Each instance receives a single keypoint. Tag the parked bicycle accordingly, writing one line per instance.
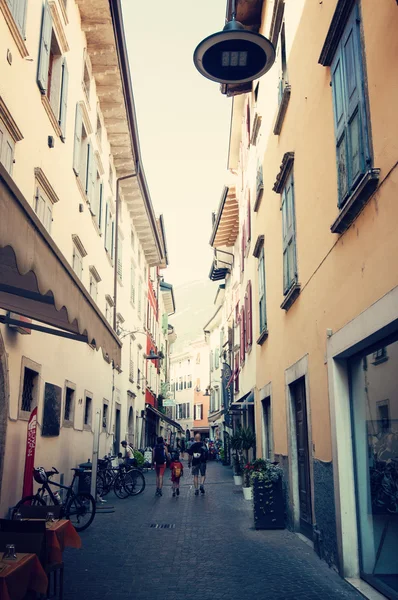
(124, 479)
(79, 507)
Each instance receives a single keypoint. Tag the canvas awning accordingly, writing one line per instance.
(163, 417)
(36, 281)
(226, 221)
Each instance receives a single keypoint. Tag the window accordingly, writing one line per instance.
(44, 208)
(380, 356)
(110, 177)
(132, 283)
(289, 235)
(51, 410)
(86, 76)
(105, 416)
(29, 390)
(198, 412)
(79, 253)
(180, 383)
(242, 331)
(7, 147)
(283, 63)
(98, 133)
(248, 317)
(139, 307)
(262, 309)
(119, 258)
(188, 409)
(94, 280)
(350, 119)
(87, 412)
(81, 152)
(189, 383)
(69, 405)
(52, 73)
(131, 363)
(109, 230)
(216, 358)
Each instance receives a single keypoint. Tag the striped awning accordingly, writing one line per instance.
(226, 221)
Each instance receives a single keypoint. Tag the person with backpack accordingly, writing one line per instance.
(159, 460)
(177, 471)
(197, 458)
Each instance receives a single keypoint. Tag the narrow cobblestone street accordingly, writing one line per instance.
(212, 552)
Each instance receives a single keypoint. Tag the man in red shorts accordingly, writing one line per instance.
(159, 460)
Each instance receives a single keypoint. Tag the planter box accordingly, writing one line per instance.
(248, 493)
(238, 479)
(268, 503)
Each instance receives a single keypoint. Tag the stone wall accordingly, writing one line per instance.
(284, 463)
(325, 539)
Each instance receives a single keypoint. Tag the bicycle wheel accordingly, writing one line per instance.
(108, 482)
(101, 485)
(119, 487)
(30, 501)
(134, 482)
(80, 510)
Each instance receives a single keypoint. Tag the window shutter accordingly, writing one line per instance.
(119, 258)
(248, 220)
(77, 139)
(249, 326)
(243, 249)
(100, 201)
(106, 228)
(242, 335)
(44, 54)
(18, 9)
(64, 99)
(90, 179)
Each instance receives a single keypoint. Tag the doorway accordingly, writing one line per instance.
(266, 412)
(131, 426)
(300, 442)
(3, 405)
(116, 443)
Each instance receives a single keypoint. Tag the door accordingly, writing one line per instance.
(303, 463)
(117, 431)
(266, 405)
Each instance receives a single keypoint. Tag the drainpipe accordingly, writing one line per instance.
(119, 179)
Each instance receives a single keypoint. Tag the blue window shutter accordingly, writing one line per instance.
(89, 168)
(352, 145)
(45, 43)
(18, 10)
(77, 139)
(289, 235)
(64, 98)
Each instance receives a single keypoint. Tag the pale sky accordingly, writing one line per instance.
(183, 122)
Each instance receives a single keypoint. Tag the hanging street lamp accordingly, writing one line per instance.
(234, 55)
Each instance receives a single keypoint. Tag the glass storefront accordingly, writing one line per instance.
(374, 401)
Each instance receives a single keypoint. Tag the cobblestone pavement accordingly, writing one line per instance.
(213, 552)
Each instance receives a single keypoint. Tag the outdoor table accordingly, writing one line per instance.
(60, 535)
(19, 576)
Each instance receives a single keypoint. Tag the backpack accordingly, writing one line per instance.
(160, 456)
(177, 471)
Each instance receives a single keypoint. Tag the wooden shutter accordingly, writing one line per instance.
(249, 326)
(77, 139)
(44, 53)
(100, 202)
(242, 335)
(352, 147)
(289, 235)
(64, 99)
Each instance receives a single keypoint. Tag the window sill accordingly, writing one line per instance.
(68, 424)
(109, 258)
(259, 197)
(50, 113)
(24, 415)
(12, 26)
(262, 337)
(379, 361)
(291, 296)
(356, 201)
(280, 117)
(81, 188)
(87, 428)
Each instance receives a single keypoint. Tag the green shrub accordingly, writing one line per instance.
(139, 458)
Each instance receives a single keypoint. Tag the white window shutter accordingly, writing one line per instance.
(45, 43)
(78, 139)
(64, 99)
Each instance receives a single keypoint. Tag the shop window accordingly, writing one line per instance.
(51, 410)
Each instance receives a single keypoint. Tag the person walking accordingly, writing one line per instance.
(177, 471)
(159, 460)
(197, 458)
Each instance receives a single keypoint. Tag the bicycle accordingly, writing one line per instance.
(76, 506)
(126, 480)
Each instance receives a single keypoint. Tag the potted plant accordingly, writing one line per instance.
(247, 486)
(268, 502)
(238, 471)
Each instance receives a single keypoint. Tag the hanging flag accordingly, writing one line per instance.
(30, 454)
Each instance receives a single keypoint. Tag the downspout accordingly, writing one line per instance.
(119, 179)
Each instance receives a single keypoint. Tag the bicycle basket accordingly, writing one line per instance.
(39, 475)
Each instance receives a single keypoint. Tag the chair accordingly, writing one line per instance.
(39, 512)
(30, 536)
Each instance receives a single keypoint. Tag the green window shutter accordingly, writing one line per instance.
(63, 99)
(106, 228)
(18, 11)
(77, 139)
(44, 54)
(352, 138)
(100, 207)
(89, 188)
(289, 235)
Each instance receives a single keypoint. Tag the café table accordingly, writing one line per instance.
(17, 577)
(60, 534)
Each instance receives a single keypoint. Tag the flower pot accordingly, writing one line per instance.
(268, 504)
(238, 479)
(248, 493)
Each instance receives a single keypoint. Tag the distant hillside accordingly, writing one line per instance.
(195, 306)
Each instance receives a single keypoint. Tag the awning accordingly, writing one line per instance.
(226, 221)
(168, 297)
(216, 416)
(163, 417)
(37, 282)
(243, 401)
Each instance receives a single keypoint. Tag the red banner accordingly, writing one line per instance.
(30, 455)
